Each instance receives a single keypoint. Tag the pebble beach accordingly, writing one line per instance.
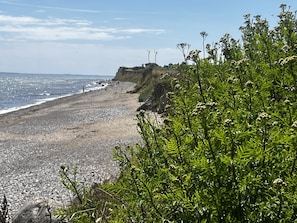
(76, 131)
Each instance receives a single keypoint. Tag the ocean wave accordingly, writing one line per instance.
(18, 91)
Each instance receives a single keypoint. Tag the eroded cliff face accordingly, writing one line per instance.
(138, 74)
(149, 84)
(158, 98)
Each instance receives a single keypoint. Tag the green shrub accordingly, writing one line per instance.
(227, 150)
(88, 204)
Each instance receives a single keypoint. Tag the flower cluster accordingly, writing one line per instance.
(284, 61)
(294, 125)
(279, 182)
(263, 116)
(200, 107)
(237, 63)
(227, 122)
(194, 55)
(232, 80)
(285, 48)
(249, 84)
(288, 102)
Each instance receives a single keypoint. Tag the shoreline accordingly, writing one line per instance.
(25, 90)
(77, 131)
(46, 100)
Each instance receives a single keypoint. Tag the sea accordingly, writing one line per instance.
(19, 91)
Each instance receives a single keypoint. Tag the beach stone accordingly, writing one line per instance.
(39, 210)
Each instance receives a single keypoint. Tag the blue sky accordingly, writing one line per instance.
(99, 36)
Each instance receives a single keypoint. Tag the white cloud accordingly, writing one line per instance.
(69, 9)
(120, 18)
(56, 33)
(56, 45)
(51, 57)
(48, 7)
(27, 20)
(56, 29)
(134, 30)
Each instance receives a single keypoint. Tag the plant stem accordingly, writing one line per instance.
(294, 161)
(199, 82)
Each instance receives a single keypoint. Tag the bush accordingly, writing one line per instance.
(88, 205)
(227, 151)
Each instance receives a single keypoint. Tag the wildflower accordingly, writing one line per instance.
(283, 6)
(274, 123)
(257, 17)
(285, 48)
(263, 116)
(194, 55)
(284, 61)
(200, 106)
(225, 38)
(232, 80)
(287, 101)
(243, 61)
(227, 122)
(249, 84)
(294, 125)
(281, 61)
(177, 86)
(278, 181)
(211, 104)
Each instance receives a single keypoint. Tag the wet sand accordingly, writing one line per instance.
(80, 130)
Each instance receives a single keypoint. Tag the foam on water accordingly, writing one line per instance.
(19, 91)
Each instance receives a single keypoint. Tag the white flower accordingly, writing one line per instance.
(294, 125)
(278, 181)
(227, 122)
(249, 84)
(263, 116)
(194, 55)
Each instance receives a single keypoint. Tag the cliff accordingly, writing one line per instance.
(150, 84)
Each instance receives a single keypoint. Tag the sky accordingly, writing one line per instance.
(96, 37)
